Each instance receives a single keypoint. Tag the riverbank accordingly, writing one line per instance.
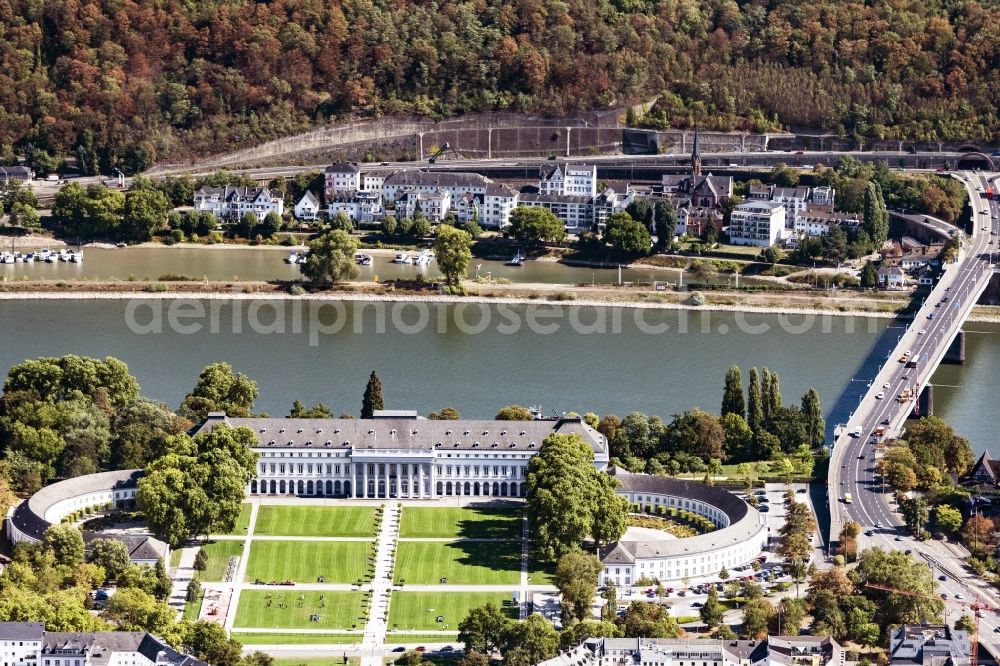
(846, 305)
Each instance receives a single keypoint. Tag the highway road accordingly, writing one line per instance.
(853, 461)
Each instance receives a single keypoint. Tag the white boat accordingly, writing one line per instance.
(76, 257)
(51, 258)
(64, 255)
(43, 254)
(516, 260)
(302, 258)
(363, 259)
(29, 258)
(402, 258)
(7, 258)
(292, 258)
(18, 258)
(424, 258)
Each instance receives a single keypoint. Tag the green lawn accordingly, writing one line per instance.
(337, 610)
(306, 561)
(541, 573)
(314, 661)
(467, 523)
(325, 521)
(193, 608)
(296, 639)
(419, 610)
(218, 553)
(175, 557)
(461, 562)
(243, 522)
(399, 639)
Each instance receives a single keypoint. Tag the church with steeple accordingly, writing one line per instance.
(694, 189)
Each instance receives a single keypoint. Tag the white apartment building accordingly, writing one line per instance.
(495, 201)
(341, 177)
(772, 651)
(20, 643)
(576, 212)
(818, 219)
(307, 208)
(361, 207)
(568, 180)
(433, 205)
(758, 223)
(231, 203)
(28, 644)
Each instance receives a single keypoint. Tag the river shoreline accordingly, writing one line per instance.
(716, 301)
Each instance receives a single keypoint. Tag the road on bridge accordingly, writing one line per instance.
(925, 341)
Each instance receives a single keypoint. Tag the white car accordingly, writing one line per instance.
(921, 331)
(880, 395)
(886, 385)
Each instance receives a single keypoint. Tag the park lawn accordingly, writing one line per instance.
(320, 521)
(192, 609)
(314, 661)
(256, 638)
(175, 557)
(306, 561)
(243, 522)
(337, 610)
(419, 610)
(461, 562)
(218, 554)
(466, 523)
(403, 639)
(540, 572)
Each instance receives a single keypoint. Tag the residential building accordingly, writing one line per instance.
(231, 203)
(29, 644)
(371, 181)
(21, 174)
(774, 650)
(985, 473)
(142, 548)
(307, 208)
(614, 198)
(891, 277)
(578, 180)
(929, 645)
(795, 199)
(20, 643)
(758, 223)
(495, 200)
(433, 205)
(819, 219)
(341, 177)
(576, 212)
(823, 195)
(361, 207)
(400, 455)
(694, 221)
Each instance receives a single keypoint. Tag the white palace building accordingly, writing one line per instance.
(397, 454)
(402, 456)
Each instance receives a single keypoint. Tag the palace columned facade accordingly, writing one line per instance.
(399, 455)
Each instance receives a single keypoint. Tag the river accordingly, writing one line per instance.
(268, 263)
(479, 358)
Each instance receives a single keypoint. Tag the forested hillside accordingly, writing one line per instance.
(128, 82)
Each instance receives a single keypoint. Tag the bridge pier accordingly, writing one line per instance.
(956, 352)
(924, 405)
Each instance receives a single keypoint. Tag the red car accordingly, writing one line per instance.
(420, 648)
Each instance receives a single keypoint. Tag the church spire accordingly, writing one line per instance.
(695, 158)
